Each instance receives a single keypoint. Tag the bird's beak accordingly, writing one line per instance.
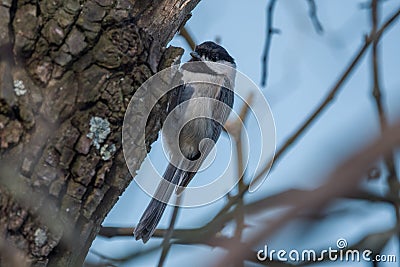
(195, 56)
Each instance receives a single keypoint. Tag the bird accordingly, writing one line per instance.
(196, 112)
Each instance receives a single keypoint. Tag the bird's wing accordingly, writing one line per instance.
(225, 96)
(179, 95)
(174, 98)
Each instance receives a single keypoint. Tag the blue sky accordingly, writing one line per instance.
(303, 67)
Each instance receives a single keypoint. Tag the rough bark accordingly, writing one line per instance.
(64, 66)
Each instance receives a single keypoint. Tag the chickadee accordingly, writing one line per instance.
(197, 111)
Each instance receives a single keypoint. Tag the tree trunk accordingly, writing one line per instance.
(65, 68)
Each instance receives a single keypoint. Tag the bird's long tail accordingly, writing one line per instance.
(152, 215)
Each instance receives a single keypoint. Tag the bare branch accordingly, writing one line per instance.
(168, 235)
(268, 38)
(130, 256)
(314, 17)
(188, 37)
(235, 130)
(110, 232)
(271, 30)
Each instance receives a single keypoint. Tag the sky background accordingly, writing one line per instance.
(303, 66)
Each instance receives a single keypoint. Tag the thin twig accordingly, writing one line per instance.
(268, 38)
(314, 17)
(110, 232)
(188, 37)
(107, 261)
(128, 257)
(168, 235)
(240, 172)
(271, 30)
(376, 90)
(235, 130)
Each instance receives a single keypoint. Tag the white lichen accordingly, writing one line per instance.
(40, 237)
(19, 88)
(99, 130)
(107, 151)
